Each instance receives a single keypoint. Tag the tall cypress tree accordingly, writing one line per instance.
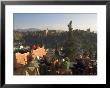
(70, 46)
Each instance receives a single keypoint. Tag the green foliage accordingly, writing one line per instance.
(78, 40)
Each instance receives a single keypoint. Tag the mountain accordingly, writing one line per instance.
(29, 29)
(35, 29)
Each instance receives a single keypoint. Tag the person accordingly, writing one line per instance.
(46, 60)
(56, 65)
(34, 47)
(87, 62)
(64, 64)
(79, 66)
(53, 70)
(56, 53)
(33, 66)
(94, 67)
(43, 69)
(37, 59)
(68, 63)
(44, 65)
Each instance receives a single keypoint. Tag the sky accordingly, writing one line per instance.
(55, 21)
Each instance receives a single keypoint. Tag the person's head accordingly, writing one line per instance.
(21, 47)
(34, 47)
(44, 56)
(80, 56)
(56, 60)
(38, 57)
(63, 60)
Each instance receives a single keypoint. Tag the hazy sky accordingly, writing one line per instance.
(55, 21)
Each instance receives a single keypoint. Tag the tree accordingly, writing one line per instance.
(70, 45)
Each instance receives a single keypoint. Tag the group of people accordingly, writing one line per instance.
(55, 66)
(84, 65)
(58, 65)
